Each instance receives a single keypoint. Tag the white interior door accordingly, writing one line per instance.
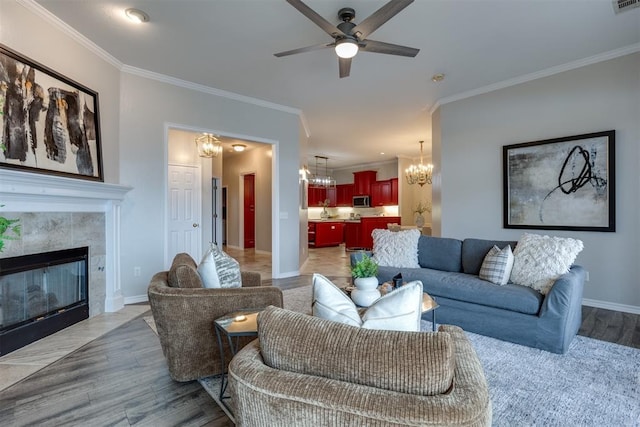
(184, 211)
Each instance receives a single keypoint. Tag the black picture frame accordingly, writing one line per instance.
(564, 183)
(50, 124)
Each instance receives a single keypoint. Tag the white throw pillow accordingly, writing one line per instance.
(400, 310)
(497, 265)
(219, 270)
(396, 249)
(540, 260)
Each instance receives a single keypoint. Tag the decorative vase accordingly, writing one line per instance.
(324, 214)
(366, 291)
(419, 221)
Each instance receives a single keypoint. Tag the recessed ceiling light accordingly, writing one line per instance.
(382, 153)
(136, 15)
(437, 77)
(238, 147)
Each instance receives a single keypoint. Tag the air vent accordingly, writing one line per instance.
(620, 6)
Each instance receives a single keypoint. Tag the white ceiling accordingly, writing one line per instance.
(384, 105)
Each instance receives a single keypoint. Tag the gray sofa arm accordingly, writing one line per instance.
(561, 312)
(250, 279)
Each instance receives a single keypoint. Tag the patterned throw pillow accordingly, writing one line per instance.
(219, 270)
(399, 310)
(396, 249)
(540, 260)
(497, 265)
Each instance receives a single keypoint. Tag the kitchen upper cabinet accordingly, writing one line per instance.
(362, 182)
(381, 193)
(394, 191)
(316, 195)
(344, 194)
(332, 195)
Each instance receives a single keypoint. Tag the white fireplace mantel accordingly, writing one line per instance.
(31, 192)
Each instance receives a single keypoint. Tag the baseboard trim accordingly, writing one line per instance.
(136, 299)
(288, 274)
(611, 306)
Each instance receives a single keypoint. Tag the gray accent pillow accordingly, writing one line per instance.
(474, 251)
(440, 253)
(497, 265)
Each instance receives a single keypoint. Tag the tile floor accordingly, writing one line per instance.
(17, 365)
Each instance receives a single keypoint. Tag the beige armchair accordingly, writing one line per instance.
(307, 371)
(184, 312)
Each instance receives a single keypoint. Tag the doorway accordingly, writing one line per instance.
(249, 207)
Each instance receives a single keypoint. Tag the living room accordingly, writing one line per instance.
(579, 93)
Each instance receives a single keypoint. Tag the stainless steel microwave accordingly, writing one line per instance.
(360, 201)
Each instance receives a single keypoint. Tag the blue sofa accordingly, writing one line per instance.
(449, 273)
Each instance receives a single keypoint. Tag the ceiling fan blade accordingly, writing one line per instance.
(326, 26)
(388, 48)
(344, 64)
(304, 49)
(379, 17)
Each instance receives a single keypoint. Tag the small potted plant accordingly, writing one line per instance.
(364, 278)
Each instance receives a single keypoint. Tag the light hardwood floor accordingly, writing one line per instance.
(120, 378)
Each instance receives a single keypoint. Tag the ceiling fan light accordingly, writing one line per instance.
(346, 48)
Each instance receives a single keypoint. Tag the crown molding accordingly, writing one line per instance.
(43, 13)
(152, 75)
(612, 54)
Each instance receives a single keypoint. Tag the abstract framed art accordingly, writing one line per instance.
(561, 184)
(49, 123)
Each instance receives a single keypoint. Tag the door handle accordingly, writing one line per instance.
(196, 225)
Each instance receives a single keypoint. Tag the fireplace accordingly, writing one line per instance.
(41, 294)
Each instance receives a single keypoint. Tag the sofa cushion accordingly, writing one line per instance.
(471, 289)
(219, 270)
(182, 273)
(540, 260)
(440, 253)
(406, 362)
(497, 265)
(474, 251)
(400, 310)
(399, 249)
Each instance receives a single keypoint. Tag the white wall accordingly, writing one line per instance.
(467, 149)
(146, 107)
(35, 38)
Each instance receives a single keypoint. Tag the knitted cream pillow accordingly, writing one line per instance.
(396, 249)
(540, 260)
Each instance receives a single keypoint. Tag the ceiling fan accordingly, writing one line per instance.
(349, 38)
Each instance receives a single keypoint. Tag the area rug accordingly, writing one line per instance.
(595, 383)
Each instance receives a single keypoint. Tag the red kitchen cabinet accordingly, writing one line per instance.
(394, 191)
(362, 182)
(316, 196)
(328, 233)
(381, 193)
(344, 194)
(352, 235)
(332, 195)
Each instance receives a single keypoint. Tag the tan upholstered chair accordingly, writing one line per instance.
(307, 371)
(184, 312)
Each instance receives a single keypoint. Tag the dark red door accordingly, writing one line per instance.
(249, 211)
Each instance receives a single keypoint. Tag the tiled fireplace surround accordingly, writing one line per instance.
(61, 213)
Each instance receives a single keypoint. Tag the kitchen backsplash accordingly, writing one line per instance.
(344, 212)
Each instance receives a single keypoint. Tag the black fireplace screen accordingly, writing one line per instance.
(40, 294)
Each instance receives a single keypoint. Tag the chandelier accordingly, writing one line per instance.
(419, 174)
(319, 180)
(208, 145)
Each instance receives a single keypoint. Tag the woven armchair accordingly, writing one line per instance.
(307, 371)
(184, 312)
